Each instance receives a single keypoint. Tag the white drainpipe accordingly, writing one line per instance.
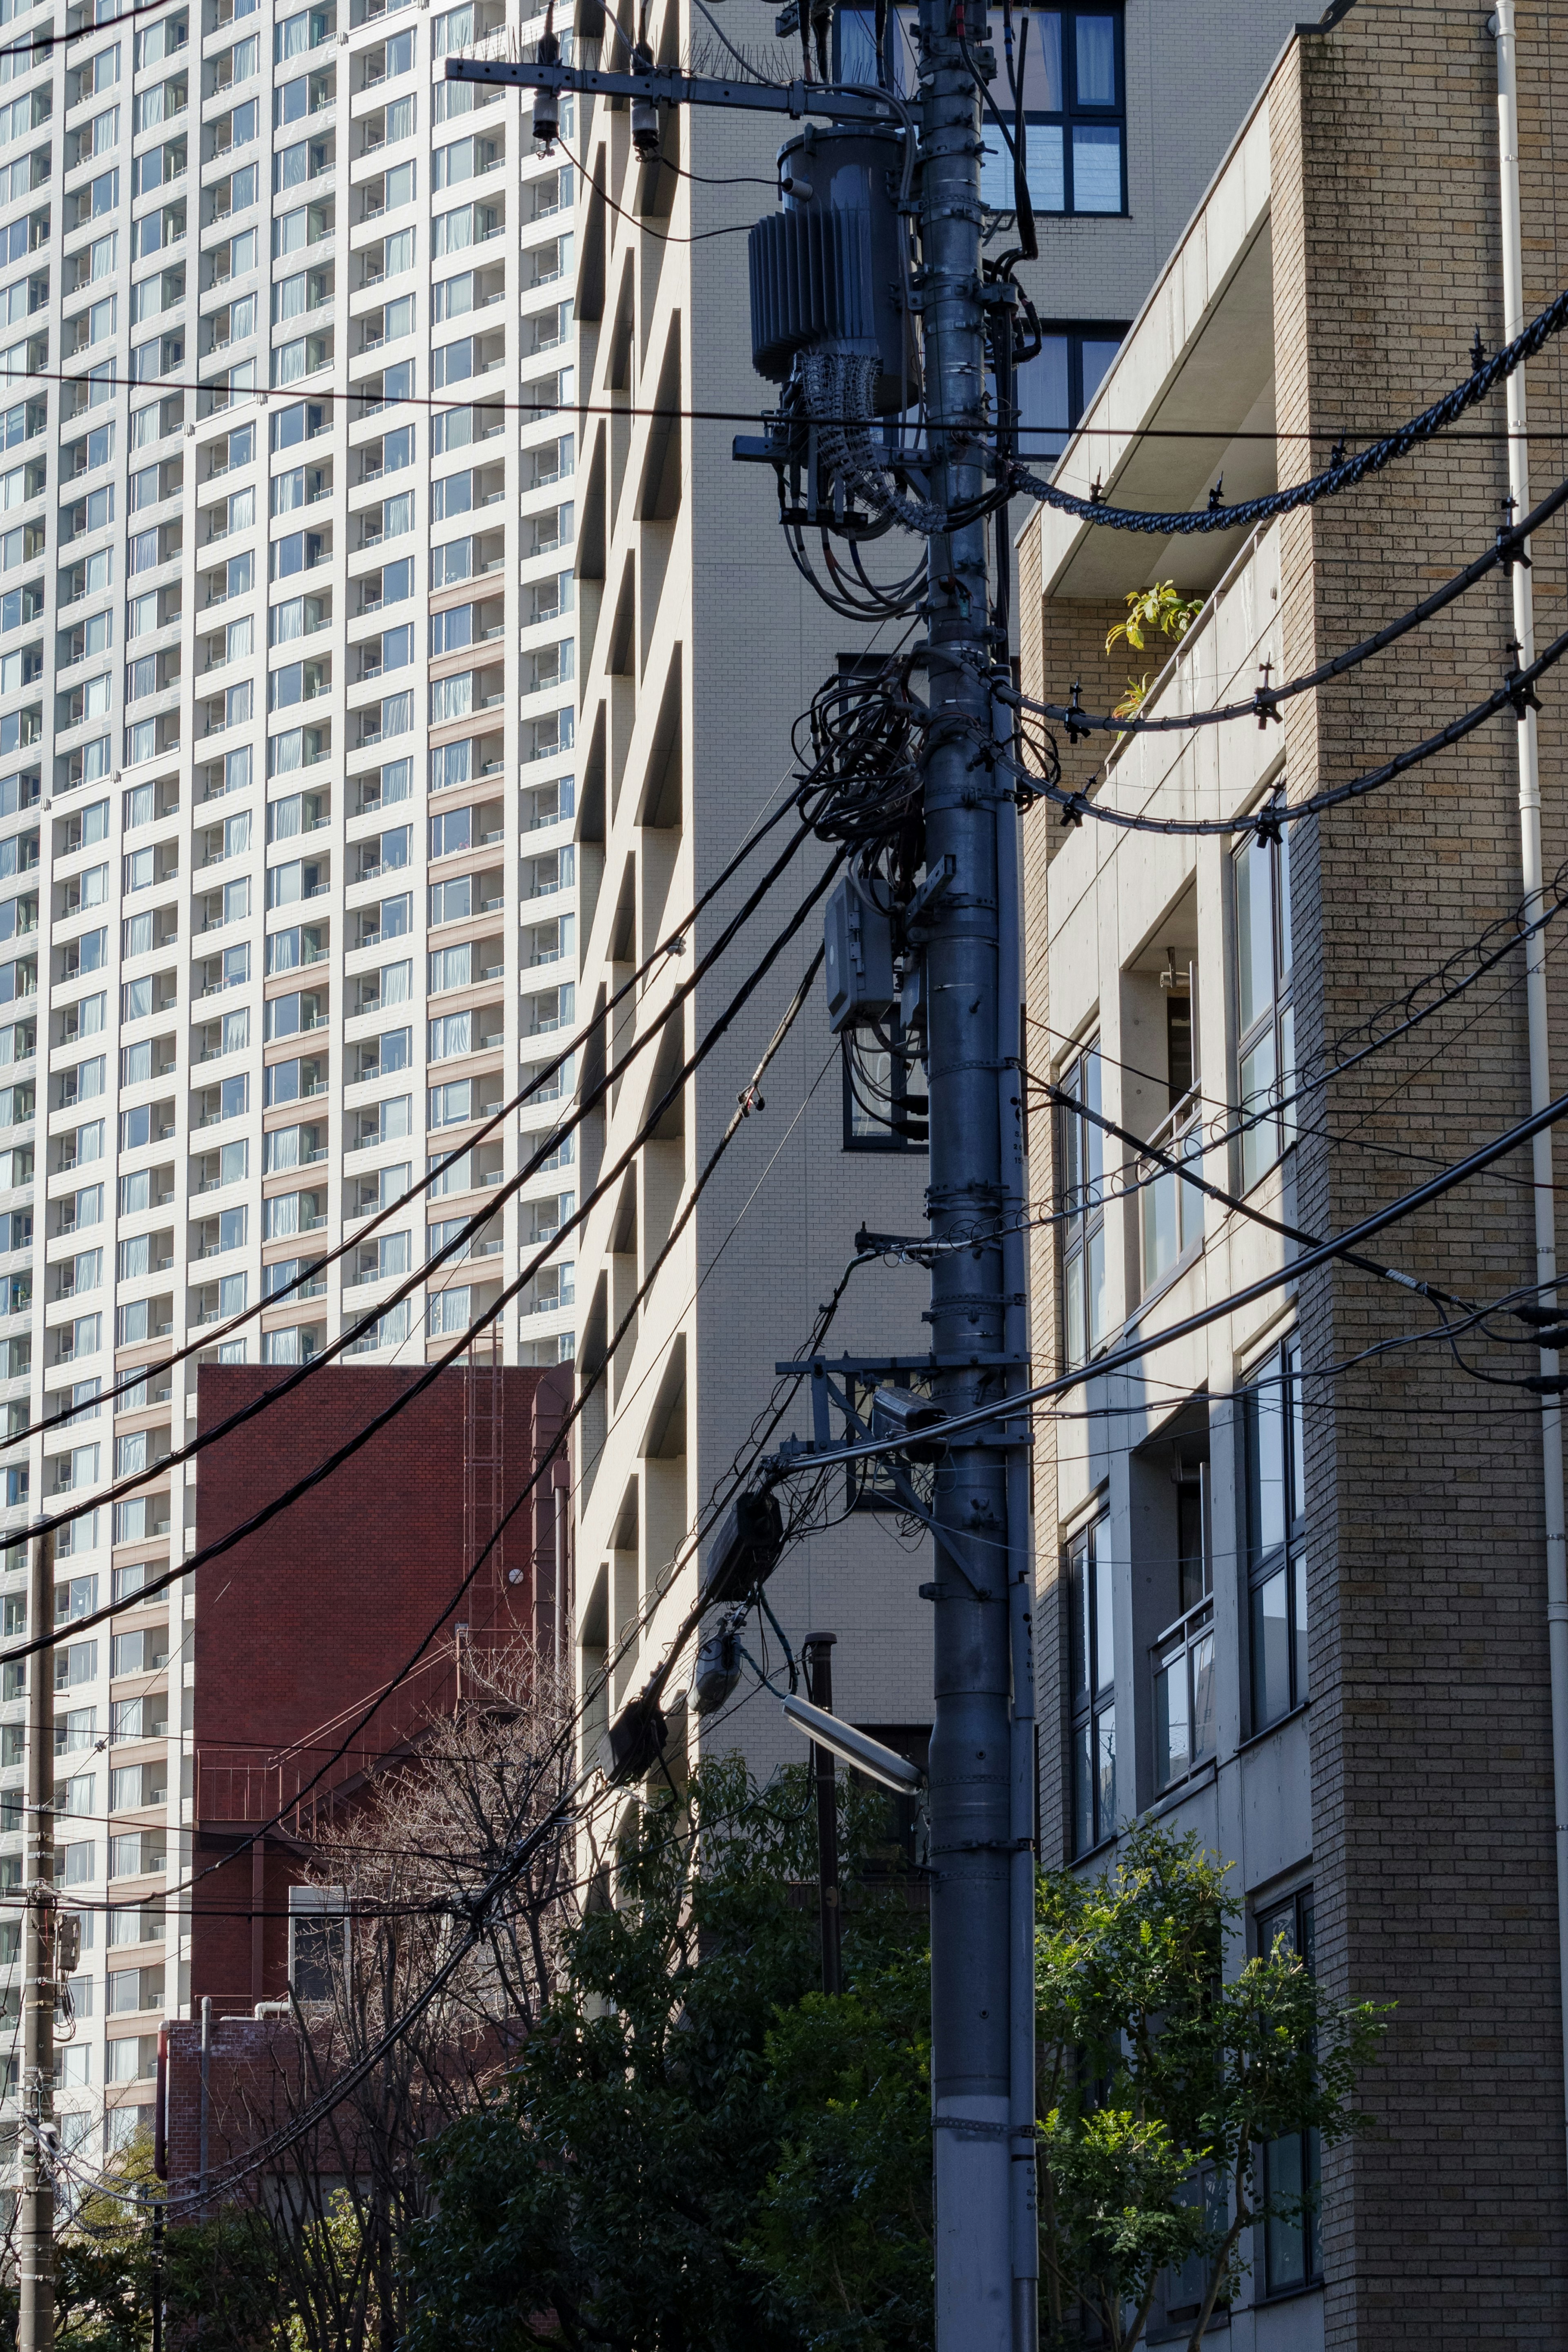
(1501, 27)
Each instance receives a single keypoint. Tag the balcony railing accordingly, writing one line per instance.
(1186, 1732)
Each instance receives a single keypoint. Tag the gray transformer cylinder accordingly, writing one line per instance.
(827, 271)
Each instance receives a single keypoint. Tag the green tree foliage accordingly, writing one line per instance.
(668, 2167)
(1162, 2080)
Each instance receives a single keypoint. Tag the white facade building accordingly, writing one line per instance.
(286, 789)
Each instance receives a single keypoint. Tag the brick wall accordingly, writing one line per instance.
(1431, 1814)
(298, 1626)
(1431, 1770)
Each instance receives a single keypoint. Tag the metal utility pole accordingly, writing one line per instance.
(971, 1810)
(833, 289)
(35, 2231)
(816, 1650)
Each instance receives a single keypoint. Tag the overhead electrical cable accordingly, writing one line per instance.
(263, 1517)
(458, 1242)
(1507, 549)
(1345, 476)
(1515, 693)
(587, 1386)
(672, 944)
(1342, 1246)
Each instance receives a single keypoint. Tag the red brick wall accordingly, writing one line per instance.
(300, 1625)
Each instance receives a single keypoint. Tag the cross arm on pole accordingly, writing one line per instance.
(667, 86)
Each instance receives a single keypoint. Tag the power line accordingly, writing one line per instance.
(42, 44)
(586, 1388)
(399, 1405)
(1516, 693)
(372, 1318)
(1345, 475)
(1507, 549)
(1341, 1246)
(672, 944)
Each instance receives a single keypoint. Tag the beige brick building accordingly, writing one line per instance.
(1294, 1602)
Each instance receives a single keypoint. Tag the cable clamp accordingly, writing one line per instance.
(1520, 691)
(972, 2127)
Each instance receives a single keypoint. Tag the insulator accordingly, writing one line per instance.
(546, 102)
(644, 113)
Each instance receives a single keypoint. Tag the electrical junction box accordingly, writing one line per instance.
(857, 959)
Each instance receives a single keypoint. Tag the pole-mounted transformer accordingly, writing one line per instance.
(829, 269)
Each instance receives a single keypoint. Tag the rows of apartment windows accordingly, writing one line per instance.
(1257, 1127)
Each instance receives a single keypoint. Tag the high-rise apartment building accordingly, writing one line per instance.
(286, 797)
(1294, 1561)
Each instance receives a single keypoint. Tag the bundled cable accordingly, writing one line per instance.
(1346, 474)
(1263, 704)
(1516, 693)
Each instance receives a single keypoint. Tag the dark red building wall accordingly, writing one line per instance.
(300, 1625)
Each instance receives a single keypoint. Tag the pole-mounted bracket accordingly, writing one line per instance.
(667, 86)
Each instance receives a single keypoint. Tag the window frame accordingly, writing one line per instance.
(1081, 1196)
(877, 1136)
(1089, 1575)
(1181, 1647)
(1074, 111)
(1280, 1372)
(1269, 1921)
(1075, 333)
(1263, 1142)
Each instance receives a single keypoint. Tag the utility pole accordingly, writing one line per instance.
(820, 291)
(971, 1766)
(816, 1650)
(35, 2235)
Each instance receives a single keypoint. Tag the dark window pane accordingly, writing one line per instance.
(1203, 1708)
(1083, 1789)
(1104, 1613)
(1079, 1599)
(1285, 2237)
(1098, 354)
(1284, 905)
(1266, 1468)
(1096, 58)
(1105, 1770)
(1254, 933)
(1096, 167)
(1299, 1629)
(1270, 1651)
(1042, 63)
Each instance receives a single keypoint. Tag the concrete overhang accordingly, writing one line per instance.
(1197, 363)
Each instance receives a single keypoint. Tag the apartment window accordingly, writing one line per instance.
(1277, 1572)
(1081, 1148)
(1055, 387)
(1090, 1606)
(1184, 1655)
(881, 1111)
(1265, 1020)
(1074, 108)
(1292, 2246)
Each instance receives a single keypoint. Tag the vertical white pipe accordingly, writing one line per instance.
(1014, 1206)
(1501, 26)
